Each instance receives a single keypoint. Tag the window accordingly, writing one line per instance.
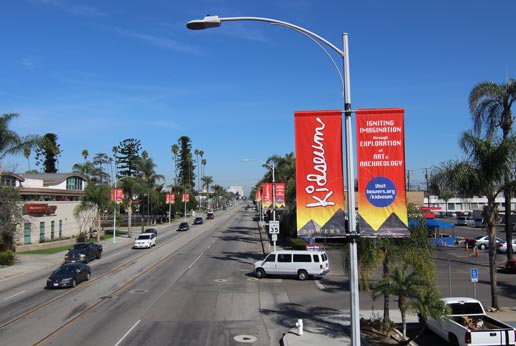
(302, 258)
(285, 258)
(8, 180)
(316, 258)
(74, 183)
(270, 258)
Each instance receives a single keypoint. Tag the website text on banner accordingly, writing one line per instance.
(382, 203)
(319, 174)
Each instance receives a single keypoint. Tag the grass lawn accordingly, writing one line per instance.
(54, 250)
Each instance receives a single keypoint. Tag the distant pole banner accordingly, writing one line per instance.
(117, 195)
(186, 197)
(280, 195)
(258, 196)
(382, 203)
(266, 195)
(171, 198)
(319, 174)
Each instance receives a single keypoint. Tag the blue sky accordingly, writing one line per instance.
(98, 72)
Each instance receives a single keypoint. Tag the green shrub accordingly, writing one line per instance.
(7, 258)
(298, 244)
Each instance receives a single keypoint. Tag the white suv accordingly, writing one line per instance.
(145, 240)
(300, 263)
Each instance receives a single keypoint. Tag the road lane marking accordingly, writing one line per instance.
(191, 265)
(320, 285)
(127, 333)
(14, 295)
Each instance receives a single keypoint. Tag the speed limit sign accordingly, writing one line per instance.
(273, 227)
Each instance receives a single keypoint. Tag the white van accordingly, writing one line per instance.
(293, 262)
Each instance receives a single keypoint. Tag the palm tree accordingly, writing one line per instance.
(146, 168)
(26, 153)
(490, 106)
(85, 154)
(482, 174)
(404, 283)
(10, 142)
(175, 152)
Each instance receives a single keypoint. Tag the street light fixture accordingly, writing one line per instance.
(215, 21)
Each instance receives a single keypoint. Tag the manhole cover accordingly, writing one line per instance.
(246, 339)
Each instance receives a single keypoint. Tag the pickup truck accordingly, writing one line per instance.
(83, 252)
(466, 323)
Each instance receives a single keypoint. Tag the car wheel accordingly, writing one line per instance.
(302, 275)
(88, 276)
(260, 273)
(74, 283)
(482, 246)
(453, 340)
(99, 255)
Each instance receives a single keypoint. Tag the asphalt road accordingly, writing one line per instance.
(197, 288)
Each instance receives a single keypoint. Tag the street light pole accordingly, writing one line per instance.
(215, 21)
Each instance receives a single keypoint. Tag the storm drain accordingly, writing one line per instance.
(245, 339)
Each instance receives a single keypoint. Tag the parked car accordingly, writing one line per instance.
(501, 246)
(465, 220)
(300, 263)
(198, 220)
(151, 230)
(84, 252)
(69, 275)
(145, 240)
(183, 226)
(481, 241)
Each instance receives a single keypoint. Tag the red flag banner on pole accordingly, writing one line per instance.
(266, 195)
(117, 195)
(186, 197)
(279, 195)
(171, 198)
(258, 196)
(319, 174)
(382, 203)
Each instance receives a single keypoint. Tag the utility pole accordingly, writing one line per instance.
(408, 179)
(427, 187)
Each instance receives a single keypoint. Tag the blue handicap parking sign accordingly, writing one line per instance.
(474, 274)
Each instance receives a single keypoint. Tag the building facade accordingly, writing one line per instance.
(48, 203)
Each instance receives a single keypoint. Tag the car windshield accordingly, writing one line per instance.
(64, 270)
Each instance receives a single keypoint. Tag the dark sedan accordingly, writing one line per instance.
(69, 275)
(151, 230)
(198, 221)
(183, 226)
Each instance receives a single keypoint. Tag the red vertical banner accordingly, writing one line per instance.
(382, 203)
(279, 194)
(319, 174)
(266, 195)
(258, 196)
(186, 197)
(117, 195)
(171, 198)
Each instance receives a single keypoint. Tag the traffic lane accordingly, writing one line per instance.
(215, 301)
(60, 316)
(203, 295)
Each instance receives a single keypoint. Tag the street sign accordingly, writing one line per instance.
(273, 227)
(474, 275)
(274, 237)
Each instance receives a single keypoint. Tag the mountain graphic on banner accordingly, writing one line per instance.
(393, 227)
(311, 227)
(336, 222)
